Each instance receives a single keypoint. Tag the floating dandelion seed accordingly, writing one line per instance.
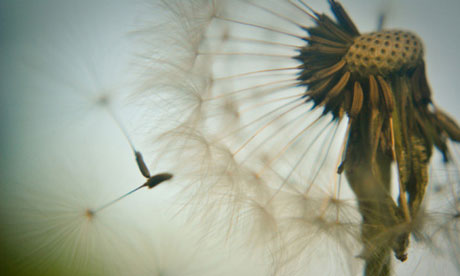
(101, 96)
(152, 181)
(51, 231)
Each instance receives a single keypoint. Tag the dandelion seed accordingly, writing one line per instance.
(54, 231)
(152, 181)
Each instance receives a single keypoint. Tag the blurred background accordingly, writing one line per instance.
(61, 152)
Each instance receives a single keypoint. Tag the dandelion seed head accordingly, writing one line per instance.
(60, 233)
(384, 52)
(255, 139)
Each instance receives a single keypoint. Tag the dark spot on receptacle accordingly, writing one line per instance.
(393, 53)
(376, 41)
(398, 38)
(397, 45)
(369, 39)
(366, 59)
(372, 49)
(387, 43)
(405, 35)
(383, 51)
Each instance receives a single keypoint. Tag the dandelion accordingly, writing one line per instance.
(301, 143)
(292, 97)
